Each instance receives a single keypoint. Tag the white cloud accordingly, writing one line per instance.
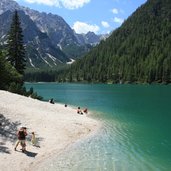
(81, 27)
(73, 4)
(118, 20)
(45, 2)
(105, 24)
(69, 4)
(115, 11)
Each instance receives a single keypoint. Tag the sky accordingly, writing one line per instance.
(98, 16)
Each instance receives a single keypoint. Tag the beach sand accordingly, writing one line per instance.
(55, 126)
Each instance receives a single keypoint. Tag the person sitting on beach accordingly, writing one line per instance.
(21, 134)
(51, 101)
(33, 138)
(85, 110)
(79, 111)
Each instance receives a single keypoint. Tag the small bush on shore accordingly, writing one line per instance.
(19, 89)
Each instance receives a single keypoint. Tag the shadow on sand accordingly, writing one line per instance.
(8, 131)
(30, 154)
(4, 149)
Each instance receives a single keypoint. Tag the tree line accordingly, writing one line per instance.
(137, 52)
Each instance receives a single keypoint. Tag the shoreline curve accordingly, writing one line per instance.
(56, 127)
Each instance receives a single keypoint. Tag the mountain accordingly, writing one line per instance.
(138, 51)
(39, 49)
(10, 5)
(90, 38)
(62, 36)
(49, 39)
(59, 32)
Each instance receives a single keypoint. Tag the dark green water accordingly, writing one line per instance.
(136, 132)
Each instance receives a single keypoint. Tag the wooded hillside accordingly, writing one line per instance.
(138, 51)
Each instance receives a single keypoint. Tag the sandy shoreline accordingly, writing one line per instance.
(55, 126)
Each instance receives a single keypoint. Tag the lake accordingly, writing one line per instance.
(136, 131)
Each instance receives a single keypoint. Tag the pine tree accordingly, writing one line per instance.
(16, 50)
(8, 74)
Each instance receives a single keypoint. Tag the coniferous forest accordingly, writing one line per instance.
(138, 51)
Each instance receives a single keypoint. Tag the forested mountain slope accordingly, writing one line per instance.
(138, 51)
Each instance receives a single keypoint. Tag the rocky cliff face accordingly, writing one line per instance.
(49, 39)
(40, 52)
(6, 5)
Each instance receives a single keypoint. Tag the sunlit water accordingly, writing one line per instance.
(136, 131)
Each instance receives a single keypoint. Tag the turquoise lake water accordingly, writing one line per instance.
(136, 131)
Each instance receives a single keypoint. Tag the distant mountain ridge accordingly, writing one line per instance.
(91, 38)
(49, 39)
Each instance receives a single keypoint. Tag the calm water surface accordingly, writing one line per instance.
(136, 132)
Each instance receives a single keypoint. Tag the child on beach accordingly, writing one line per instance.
(33, 138)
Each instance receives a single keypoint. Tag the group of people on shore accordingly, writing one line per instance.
(21, 135)
(79, 111)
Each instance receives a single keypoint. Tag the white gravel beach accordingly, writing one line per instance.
(55, 126)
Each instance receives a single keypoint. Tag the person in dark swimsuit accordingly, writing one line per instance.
(21, 134)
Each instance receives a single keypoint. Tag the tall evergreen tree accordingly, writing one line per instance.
(15, 45)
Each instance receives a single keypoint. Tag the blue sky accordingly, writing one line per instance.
(99, 16)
